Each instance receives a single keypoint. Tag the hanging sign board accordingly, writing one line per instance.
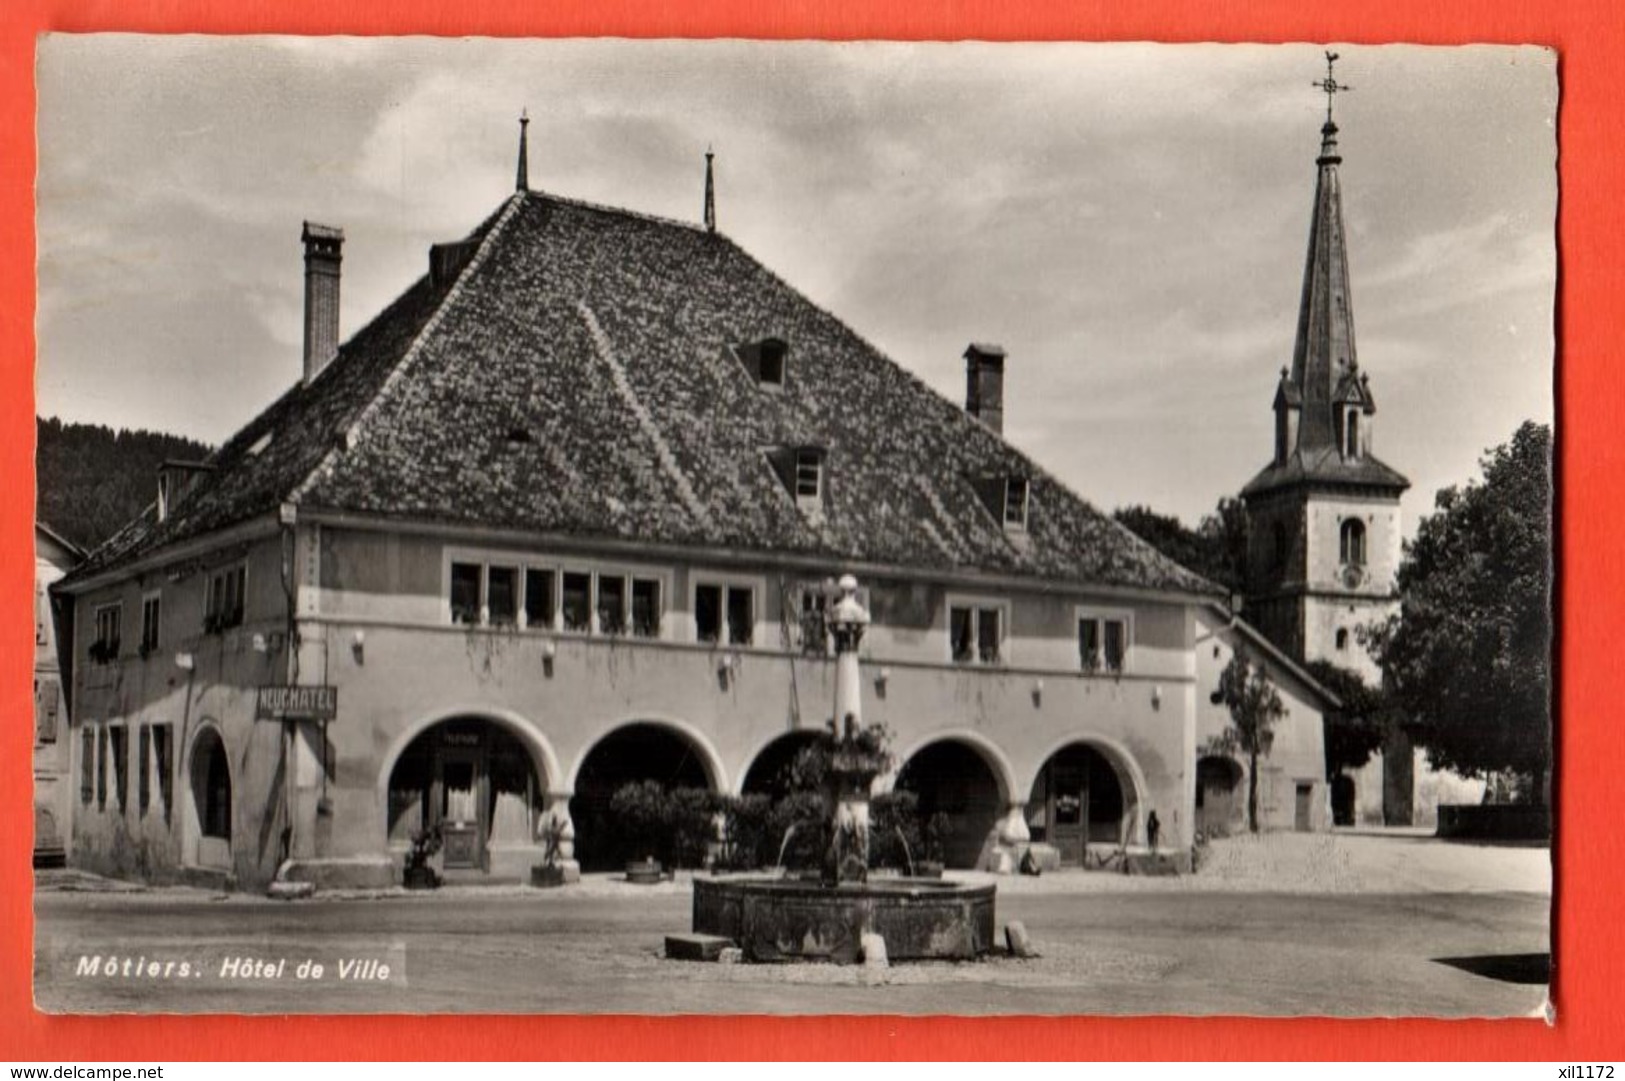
(296, 703)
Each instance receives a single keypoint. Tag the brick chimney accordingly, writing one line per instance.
(984, 384)
(323, 248)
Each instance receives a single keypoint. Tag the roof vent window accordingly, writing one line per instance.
(1015, 503)
(260, 444)
(801, 470)
(766, 361)
(520, 434)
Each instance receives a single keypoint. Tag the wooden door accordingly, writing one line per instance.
(462, 818)
(1301, 818)
(1067, 809)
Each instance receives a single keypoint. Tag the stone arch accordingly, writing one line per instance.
(763, 765)
(997, 762)
(541, 751)
(716, 773)
(671, 753)
(963, 777)
(1130, 785)
(209, 822)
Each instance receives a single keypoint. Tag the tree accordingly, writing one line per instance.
(1255, 708)
(1360, 725)
(1468, 657)
(1216, 549)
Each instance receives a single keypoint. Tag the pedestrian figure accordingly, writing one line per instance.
(1152, 829)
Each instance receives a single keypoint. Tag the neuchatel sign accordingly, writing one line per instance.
(296, 703)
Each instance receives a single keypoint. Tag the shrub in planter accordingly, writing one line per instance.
(692, 817)
(639, 816)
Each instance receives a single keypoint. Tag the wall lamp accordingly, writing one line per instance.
(550, 650)
(1156, 697)
(882, 678)
(1038, 692)
(185, 661)
(358, 646)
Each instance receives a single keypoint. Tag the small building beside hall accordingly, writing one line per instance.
(567, 515)
(54, 556)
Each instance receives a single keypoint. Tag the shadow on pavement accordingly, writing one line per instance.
(1506, 967)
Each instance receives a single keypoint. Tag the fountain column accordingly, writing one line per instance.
(853, 764)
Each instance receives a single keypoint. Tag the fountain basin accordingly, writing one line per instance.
(784, 920)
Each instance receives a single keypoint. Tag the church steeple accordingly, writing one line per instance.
(1323, 355)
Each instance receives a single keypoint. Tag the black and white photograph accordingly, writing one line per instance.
(594, 526)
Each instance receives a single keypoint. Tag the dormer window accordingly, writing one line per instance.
(1015, 503)
(1351, 434)
(801, 471)
(809, 475)
(766, 361)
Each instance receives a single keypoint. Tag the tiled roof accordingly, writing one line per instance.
(1326, 467)
(578, 377)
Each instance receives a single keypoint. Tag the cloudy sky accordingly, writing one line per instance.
(1129, 221)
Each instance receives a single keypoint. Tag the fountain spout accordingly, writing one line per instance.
(784, 844)
(908, 855)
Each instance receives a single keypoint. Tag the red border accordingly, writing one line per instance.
(1589, 39)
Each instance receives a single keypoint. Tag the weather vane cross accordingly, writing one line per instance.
(1330, 85)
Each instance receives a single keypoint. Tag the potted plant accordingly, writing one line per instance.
(418, 874)
(937, 828)
(550, 872)
(644, 872)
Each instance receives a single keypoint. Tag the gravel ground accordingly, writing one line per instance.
(1388, 862)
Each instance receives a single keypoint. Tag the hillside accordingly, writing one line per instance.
(92, 479)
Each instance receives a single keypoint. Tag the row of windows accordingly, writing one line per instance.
(976, 635)
(627, 603)
(550, 598)
(104, 767)
(225, 591)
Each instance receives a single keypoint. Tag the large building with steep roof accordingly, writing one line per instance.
(565, 515)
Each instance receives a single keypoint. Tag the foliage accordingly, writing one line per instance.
(1255, 707)
(1358, 728)
(1468, 658)
(92, 480)
(674, 826)
(1216, 549)
(895, 838)
(937, 831)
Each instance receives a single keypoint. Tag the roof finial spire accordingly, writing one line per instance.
(522, 181)
(710, 195)
(1328, 132)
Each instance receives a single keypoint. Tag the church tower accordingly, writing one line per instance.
(1323, 515)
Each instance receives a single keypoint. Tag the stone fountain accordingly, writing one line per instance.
(776, 919)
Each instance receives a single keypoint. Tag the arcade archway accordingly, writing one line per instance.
(1082, 796)
(473, 779)
(769, 772)
(951, 778)
(629, 755)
